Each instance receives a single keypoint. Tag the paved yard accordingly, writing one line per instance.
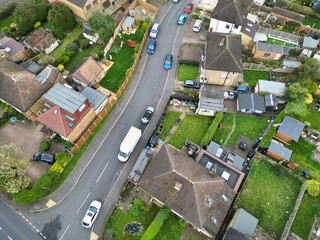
(192, 37)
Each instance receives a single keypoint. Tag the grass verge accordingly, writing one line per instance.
(187, 72)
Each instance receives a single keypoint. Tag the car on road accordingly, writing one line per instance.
(182, 19)
(168, 61)
(151, 46)
(197, 25)
(188, 8)
(191, 84)
(44, 157)
(147, 115)
(154, 30)
(91, 214)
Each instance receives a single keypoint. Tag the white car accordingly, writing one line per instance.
(197, 26)
(154, 30)
(91, 214)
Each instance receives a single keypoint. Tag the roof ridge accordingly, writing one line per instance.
(198, 205)
(215, 58)
(237, 8)
(235, 60)
(161, 175)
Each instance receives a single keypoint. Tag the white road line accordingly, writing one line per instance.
(83, 203)
(102, 172)
(9, 237)
(166, 13)
(65, 232)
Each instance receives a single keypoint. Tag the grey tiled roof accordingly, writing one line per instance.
(245, 222)
(288, 14)
(280, 150)
(291, 127)
(95, 97)
(212, 98)
(251, 101)
(272, 48)
(79, 3)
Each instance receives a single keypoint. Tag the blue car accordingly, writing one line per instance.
(182, 19)
(168, 61)
(152, 46)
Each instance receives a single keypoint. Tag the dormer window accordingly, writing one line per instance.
(47, 105)
(69, 117)
(227, 26)
(213, 219)
(70, 125)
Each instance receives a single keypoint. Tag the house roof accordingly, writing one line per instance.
(212, 98)
(287, 63)
(11, 46)
(245, 222)
(272, 48)
(250, 101)
(223, 52)
(309, 42)
(277, 88)
(128, 21)
(249, 28)
(95, 97)
(280, 150)
(79, 3)
(40, 39)
(19, 87)
(232, 11)
(86, 71)
(89, 31)
(65, 98)
(291, 127)
(270, 100)
(171, 166)
(233, 234)
(118, 16)
(279, 34)
(287, 14)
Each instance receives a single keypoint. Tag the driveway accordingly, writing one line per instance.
(192, 37)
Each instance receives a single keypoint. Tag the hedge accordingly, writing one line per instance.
(272, 131)
(212, 129)
(189, 62)
(156, 224)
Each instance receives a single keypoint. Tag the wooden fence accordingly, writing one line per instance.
(104, 112)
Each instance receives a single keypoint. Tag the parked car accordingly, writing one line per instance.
(91, 214)
(243, 146)
(191, 84)
(182, 19)
(243, 89)
(168, 61)
(44, 157)
(197, 25)
(151, 46)
(153, 141)
(175, 1)
(314, 135)
(147, 115)
(250, 155)
(154, 30)
(188, 8)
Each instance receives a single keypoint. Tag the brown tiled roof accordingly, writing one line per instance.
(18, 86)
(14, 46)
(40, 39)
(118, 16)
(171, 166)
(287, 14)
(86, 71)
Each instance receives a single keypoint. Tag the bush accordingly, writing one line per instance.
(73, 46)
(252, 83)
(60, 67)
(67, 144)
(147, 20)
(212, 129)
(144, 27)
(189, 62)
(44, 146)
(65, 59)
(67, 52)
(98, 50)
(57, 168)
(37, 25)
(6, 31)
(137, 47)
(57, 139)
(7, 10)
(313, 188)
(84, 43)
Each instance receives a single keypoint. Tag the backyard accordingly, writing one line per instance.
(222, 133)
(315, 23)
(78, 56)
(279, 42)
(168, 121)
(6, 22)
(187, 72)
(313, 117)
(255, 75)
(193, 128)
(269, 194)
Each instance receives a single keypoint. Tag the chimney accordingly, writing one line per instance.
(222, 42)
(178, 186)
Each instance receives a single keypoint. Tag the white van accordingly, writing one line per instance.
(129, 143)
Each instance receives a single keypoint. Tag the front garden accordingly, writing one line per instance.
(187, 72)
(168, 120)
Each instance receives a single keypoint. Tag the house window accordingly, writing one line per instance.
(70, 125)
(224, 74)
(69, 118)
(234, 74)
(88, 7)
(82, 107)
(227, 26)
(47, 105)
(266, 54)
(236, 26)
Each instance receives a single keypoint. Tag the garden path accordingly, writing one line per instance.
(233, 127)
(174, 128)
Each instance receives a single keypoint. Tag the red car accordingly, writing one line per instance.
(188, 8)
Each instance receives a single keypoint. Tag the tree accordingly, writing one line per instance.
(313, 188)
(104, 24)
(296, 93)
(12, 171)
(46, 60)
(104, 35)
(25, 15)
(97, 20)
(40, 10)
(311, 69)
(297, 108)
(312, 86)
(62, 19)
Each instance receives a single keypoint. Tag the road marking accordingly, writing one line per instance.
(83, 202)
(9, 237)
(166, 13)
(65, 231)
(93, 236)
(102, 172)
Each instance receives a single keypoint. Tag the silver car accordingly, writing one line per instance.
(91, 214)
(197, 26)
(154, 30)
(147, 115)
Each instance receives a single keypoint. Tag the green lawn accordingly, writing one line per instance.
(6, 22)
(269, 194)
(78, 56)
(315, 23)
(255, 75)
(302, 152)
(279, 42)
(192, 237)
(313, 117)
(222, 133)
(171, 229)
(123, 59)
(305, 217)
(187, 72)
(169, 120)
(74, 33)
(47, 25)
(193, 128)
(249, 126)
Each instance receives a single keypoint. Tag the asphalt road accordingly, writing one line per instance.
(105, 174)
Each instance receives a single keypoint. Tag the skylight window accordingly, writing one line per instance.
(209, 202)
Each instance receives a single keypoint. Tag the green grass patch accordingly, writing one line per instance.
(279, 42)
(187, 72)
(255, 75)
(222, 133)
(313, 117)
(249, 126)
(315, 23)
(168, 122)
(78, 56)
(309, 208)
(74, 33)
(172, 229)
(6, 22)
(193, 128)
(47, 25)
(269, 194)
(123, 59)
(192, 237)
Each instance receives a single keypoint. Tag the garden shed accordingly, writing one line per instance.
(128, 24)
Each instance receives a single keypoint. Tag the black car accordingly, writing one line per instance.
(242, 89)
(243, 146)
(250, 155)
(44, 157)
(191, 84)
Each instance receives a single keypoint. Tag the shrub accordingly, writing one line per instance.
(137, 47)
(252, 83)
(84, 43)
(313, 188)
(7, 10)
(189, 62)
(57, 139)
(57, 168)
(136, 210)
(212, 129)
(37, 25)
(67, 144)
(67, 52)
(6, 31)
(65, 59)
(147, 20)
(98, 50)
(44, 145)
(73, 46)
(144, 27)
(96, 57)
(195, 16)
(60, 67)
